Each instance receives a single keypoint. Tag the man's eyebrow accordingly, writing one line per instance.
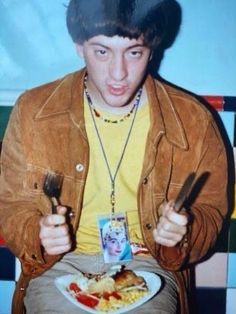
(99, 44)
(136, 46)
(106, 47)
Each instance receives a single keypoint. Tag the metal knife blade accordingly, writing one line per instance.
(184, 191)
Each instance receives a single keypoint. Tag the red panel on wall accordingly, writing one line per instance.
(215, 101)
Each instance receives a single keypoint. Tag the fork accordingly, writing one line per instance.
(52, 188)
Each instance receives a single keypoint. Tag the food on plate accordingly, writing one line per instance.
(126, 298)
(104, 284)
(110, 291)
(127, 278)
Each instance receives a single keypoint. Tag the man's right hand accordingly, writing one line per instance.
(54, 232)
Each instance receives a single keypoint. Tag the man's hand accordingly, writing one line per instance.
(171, 227)
(54, 233)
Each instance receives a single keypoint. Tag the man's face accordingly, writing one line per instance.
(116, 66)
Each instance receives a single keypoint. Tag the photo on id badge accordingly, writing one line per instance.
(114, 239)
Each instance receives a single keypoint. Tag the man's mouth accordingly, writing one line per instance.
(117, 90)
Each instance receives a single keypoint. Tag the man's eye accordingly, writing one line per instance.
(135, 53)
(101, 52)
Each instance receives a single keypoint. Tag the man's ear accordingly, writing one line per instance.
(80, 50)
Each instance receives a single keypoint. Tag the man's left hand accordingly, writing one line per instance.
(172, 226)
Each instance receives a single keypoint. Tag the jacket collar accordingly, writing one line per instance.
(67, 98)
(163, 114)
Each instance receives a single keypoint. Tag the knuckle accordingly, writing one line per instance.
(157, 228)
(166, 227)
(41, 234)
(46, 243)
(68, 246)
(179, 238)
(64, 230)
(66, 240)
(158, 239)
(43, 243)
(161, 232)
(41, 221)
(183, 220)
(48, 220)
(184, 230)
(51, 251)
(169, 212)
(59, 220)
(162, 221)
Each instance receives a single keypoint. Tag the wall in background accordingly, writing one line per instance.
(203, 57)
(35, 46)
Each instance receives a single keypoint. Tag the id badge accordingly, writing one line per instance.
(114, 239)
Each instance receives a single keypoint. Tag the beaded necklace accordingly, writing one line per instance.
(98, 114)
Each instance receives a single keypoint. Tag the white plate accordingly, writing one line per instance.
(153, 282)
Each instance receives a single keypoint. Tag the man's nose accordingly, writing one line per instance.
(118, 68)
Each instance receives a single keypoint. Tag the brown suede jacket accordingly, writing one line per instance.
(46, 131)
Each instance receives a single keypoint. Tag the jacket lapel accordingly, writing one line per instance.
(67, 98)
(164, 116)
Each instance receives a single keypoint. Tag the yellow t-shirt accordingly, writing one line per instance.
(96, 200)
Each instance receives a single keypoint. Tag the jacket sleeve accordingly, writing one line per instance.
(207, 209)
(20, 212)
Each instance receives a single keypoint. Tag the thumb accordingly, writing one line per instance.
(168, 208)
(61, 210)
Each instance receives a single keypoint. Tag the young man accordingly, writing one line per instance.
(124, 143)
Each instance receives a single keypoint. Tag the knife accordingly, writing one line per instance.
(184, 191)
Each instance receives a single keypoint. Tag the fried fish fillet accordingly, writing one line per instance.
(127, 278)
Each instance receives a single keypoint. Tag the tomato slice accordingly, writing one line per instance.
(74, 287)
(116, 295)
(106, 295)
(87, 300)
